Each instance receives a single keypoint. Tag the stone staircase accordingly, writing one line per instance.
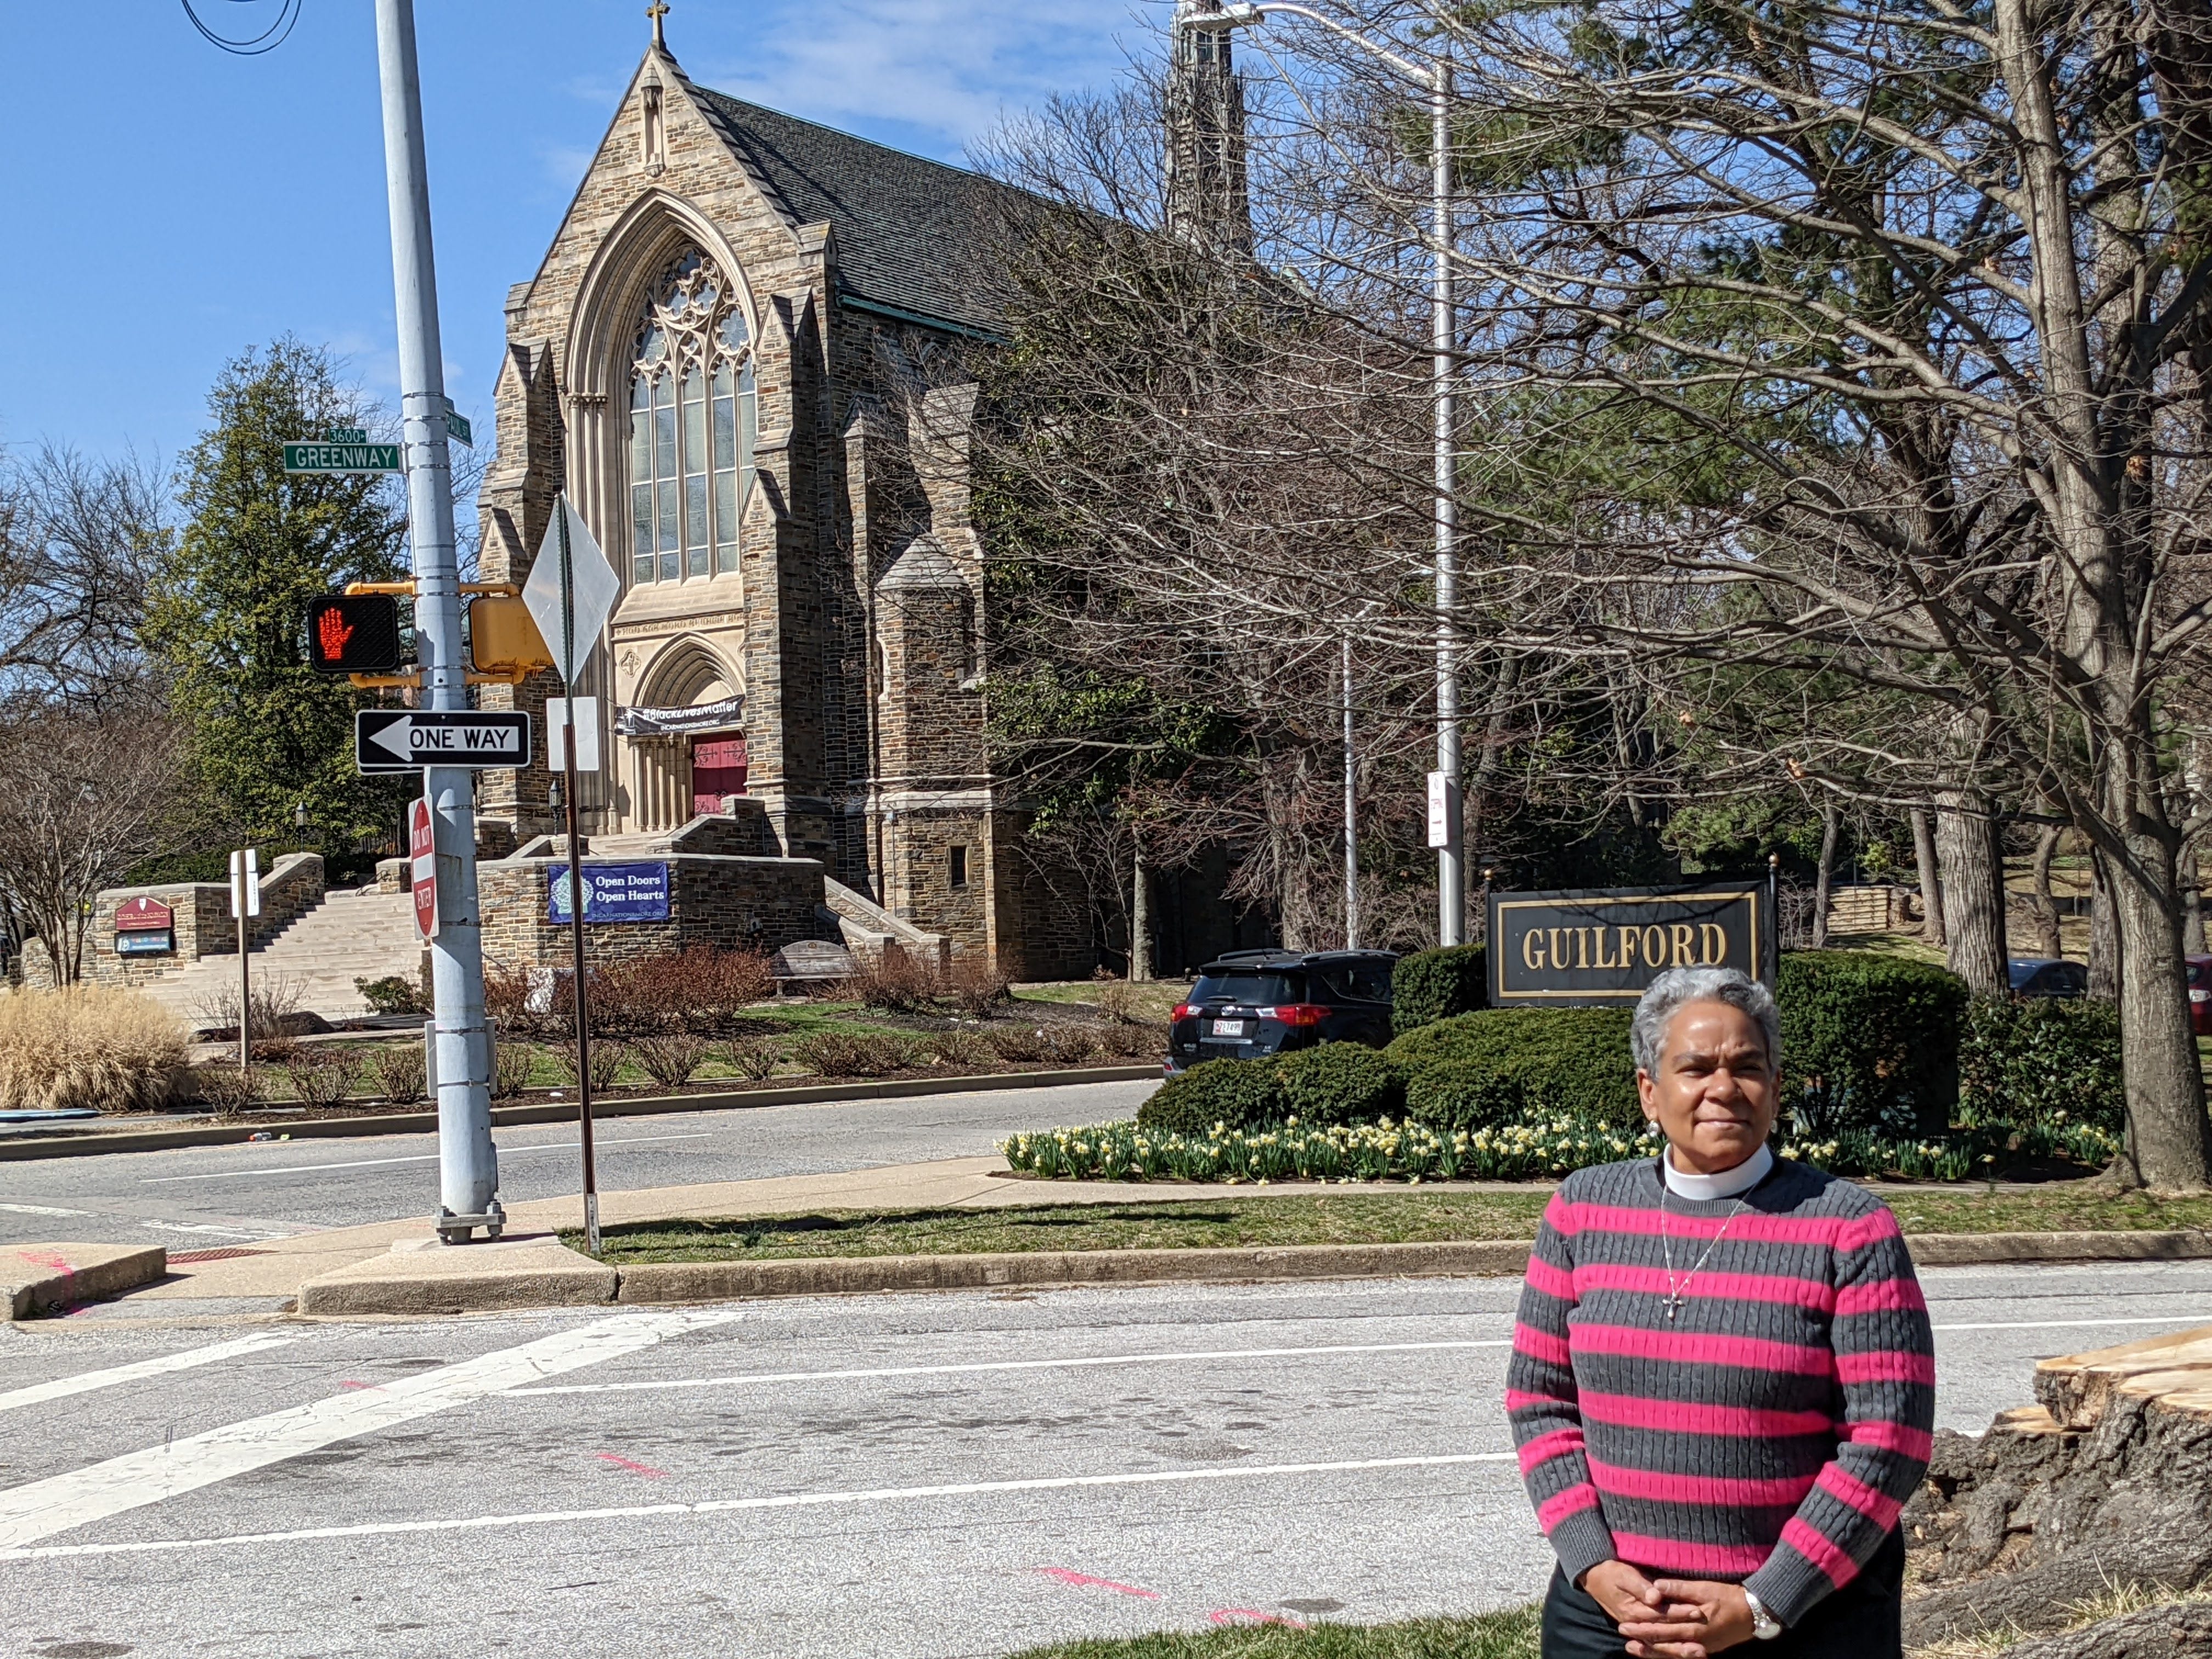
(348, 936)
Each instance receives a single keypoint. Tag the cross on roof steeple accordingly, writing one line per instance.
(656, 12)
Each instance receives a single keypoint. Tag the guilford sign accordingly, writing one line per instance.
(1580, 948)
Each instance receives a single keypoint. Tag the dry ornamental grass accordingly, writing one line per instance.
(89, 1045)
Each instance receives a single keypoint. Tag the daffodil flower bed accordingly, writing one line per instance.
(1539, 1148)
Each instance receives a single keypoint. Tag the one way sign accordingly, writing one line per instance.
(408, 740)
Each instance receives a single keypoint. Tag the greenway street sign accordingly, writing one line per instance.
(341, 458)
(346, 435)
(408, 740)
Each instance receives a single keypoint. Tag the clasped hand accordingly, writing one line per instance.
(1670, 1618)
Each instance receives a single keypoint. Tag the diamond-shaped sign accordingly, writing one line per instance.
(571, 591)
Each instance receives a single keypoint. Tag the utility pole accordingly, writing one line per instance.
(1351, 813)
(468, 1163)
(1451, 856)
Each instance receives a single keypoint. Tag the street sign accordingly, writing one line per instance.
(246, 883)
(459, 429)
(593, 584)
(407, 739)
(423, 872)
(587, 729)
(361, 458)
(346, 435)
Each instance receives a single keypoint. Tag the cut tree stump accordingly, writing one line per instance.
(2104, 1485)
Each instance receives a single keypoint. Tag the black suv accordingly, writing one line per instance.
(1251, 1003)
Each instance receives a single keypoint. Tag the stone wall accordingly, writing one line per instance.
(289, 889)
(732, 902)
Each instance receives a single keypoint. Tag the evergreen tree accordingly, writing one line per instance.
(228, 615)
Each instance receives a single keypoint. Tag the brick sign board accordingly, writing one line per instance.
(144, 927)
(612, 892)
(1580, 948)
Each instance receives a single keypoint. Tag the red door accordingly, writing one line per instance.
(718, 770)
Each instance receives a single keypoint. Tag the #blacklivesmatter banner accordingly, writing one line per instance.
(1583, 948)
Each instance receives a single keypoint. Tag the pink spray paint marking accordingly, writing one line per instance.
(645, 1469)
(350, 1384)
(1075, 1580)
(1250, 1615)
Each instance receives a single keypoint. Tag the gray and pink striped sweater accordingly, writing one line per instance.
(1771, 1431)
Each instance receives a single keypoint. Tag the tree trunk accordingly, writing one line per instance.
(2047, 908)
(1825, 883)
(2192, 899)
(2169, 1140)
(1140, 915)
(1971, 857)
(2105, 967)
(1931, 885)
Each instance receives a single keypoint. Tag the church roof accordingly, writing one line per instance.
(908, 229)
(923, 563)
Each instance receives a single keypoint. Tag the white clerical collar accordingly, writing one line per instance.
(1728, 1184)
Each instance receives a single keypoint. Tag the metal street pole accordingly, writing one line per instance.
(1451, 854)
(581, 1001)
(1451, 857)
(468, 1163)
(1351, 813)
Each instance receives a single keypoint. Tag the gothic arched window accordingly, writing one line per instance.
(693, 416)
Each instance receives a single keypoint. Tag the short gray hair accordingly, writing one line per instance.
(1677, 987)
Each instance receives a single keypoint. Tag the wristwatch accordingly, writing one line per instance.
(1765, 1626)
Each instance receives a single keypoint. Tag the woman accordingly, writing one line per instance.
(1722, 1382)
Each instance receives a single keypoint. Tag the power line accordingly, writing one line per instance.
(288, 14)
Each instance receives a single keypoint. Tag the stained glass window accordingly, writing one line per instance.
(693, 416)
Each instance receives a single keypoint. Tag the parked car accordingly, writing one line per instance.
(2199, 969)
(2048, 977)
(1251, 1003)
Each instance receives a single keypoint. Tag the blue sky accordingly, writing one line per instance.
(167, 205)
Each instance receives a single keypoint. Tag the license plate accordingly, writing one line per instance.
(1229, 1028)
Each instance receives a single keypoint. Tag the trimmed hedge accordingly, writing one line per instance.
(1235, 1092)
(1869, 1043)
(1340, 1083)
(1433, 985)
(2026, 1062)
(1479, 1069)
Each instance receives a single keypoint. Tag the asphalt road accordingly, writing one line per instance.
(209, 1196)
(908, 1476)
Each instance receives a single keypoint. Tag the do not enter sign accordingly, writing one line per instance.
(423, 848)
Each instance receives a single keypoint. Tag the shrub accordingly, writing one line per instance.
(1235, 1092)
(399, 1072)
(756, 1058)
(1869, 1043)
(669, 1057)
(324, 1074)
(512, 1064)
(1124, 1004)
(702, 990)
(1433, 985)
(1476, 1070)
(1340, 1083)
(223, 1089)
(2026, 1062)
(276, 999)
(395, 993)
(976, 987)
(607, 1056)
(853, 1054)
(895, 982)
(1133, 1042)
(507, 1002)
(92, 1046)
(1018, 1043)
(964, 1048)
(1068, 1045)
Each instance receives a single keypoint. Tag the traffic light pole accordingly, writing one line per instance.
(468, 1163)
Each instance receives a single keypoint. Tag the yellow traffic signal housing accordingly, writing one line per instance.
(503, 641)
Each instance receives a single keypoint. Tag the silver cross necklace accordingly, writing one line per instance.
(1676, 1291)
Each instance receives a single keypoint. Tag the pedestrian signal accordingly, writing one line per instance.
(354, 634)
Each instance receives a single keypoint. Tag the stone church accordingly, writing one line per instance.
(726, 360)
(717, 361)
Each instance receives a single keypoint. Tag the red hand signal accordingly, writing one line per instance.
(333, 631)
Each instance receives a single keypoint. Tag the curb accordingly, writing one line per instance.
(584, 1283)
(92, 1145)
(34, 1278)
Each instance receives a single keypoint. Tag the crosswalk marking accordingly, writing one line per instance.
(86, 1381)
(62, 1502)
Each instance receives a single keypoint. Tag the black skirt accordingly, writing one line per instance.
(1863, 1620)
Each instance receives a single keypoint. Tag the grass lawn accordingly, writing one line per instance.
(1157, 997)
(1408, 1215)
(1494, 1636)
